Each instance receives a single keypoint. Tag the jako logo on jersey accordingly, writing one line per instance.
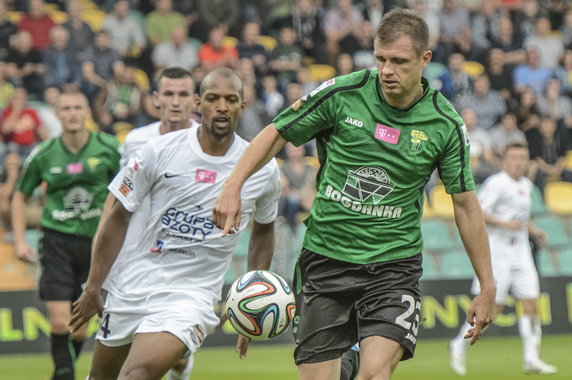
(416, 138)
(354, 122)
(206, 176)
(158, 247)
(188, 222)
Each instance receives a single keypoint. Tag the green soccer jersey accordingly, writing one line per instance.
(374, 163)
(76, 182)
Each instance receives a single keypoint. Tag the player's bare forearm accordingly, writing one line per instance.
(109, 201)
(226, 213)
(103, 256)
(261, 247)
(471, 225)
(23, 251)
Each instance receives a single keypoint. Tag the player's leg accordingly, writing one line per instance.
(182, 369)
(107, 361)
(379, 358)
(350, 363)
(152, 355)
(61, 346)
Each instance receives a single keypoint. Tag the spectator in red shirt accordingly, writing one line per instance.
(213, 53)
(38, 23)
(20, 125)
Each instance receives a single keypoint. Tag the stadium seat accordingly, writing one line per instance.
(428, 212)
(436, 235)
(456, 264)
(473, 68)
(569, 160)
(141, 79)
(94, 17)
(14, 16)
(268, 42)
(538, 205)
(229, 41)
(558, 196)
(320, 73)
(565, 262)
(433, 71)
(554, 228)
(441, 202)
(546, 265)
(58, 16)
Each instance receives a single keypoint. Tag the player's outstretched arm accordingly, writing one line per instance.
(23, 250)
(261, 246)
(103, 256)
(226, 213)
(471, 225)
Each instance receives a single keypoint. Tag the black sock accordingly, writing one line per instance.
(63, 357)
(350, 365)
(77, 345)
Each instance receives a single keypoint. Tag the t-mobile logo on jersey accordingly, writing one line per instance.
(205, 176)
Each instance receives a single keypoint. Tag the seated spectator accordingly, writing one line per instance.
(455, 28)
(100, 65)
(487, 103)
(218, 13)
(80, 33)
(485, 25)
(484, 161)
(272, 98)
(548, 146)
(564, 72)
(177, 52)
(508, 42)
(358, 44)
(306, 19)
(247, 72)
(531, 73)
(8, 177)
(60, 60)
(7, 30)
(286, 58)
(24, 65)
(21, 127)
(421, 8)
(38, 23)
(303, 77)
(551, 47)
(339, 22)
(566, 29)
(213, 53)
(248, 47)
(344, 64)
(554, 105)
(160, 22)
(47, 112)
(506, 132)
(500, 74)
(254, 118)
(455, 82)
(119, 101)
(125, 31)
(373, 11)
(297, 182)
(6, 88)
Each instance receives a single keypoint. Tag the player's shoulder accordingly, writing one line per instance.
(43, 149)
(497, 180)
(343, 83)
(142, 134)
(444, 109)
(106, 140)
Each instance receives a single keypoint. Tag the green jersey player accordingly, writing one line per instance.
(77, 166)
(379, 134)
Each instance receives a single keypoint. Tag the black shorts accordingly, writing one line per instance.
(339, 304)
(65, 263)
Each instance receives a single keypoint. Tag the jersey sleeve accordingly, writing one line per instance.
(266, 207)
(309, 115)
(135, 180)
(489, 196)
(454, 166)
(31, 175)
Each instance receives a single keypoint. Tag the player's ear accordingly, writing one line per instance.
(197, 102)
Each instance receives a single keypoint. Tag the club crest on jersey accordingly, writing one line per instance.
(367, 182)
(93, 162)
(387, 134)
(416, 138)
(158, 248)
(206, 176)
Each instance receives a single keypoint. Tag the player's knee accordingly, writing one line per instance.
(60, 326)
(141, 372)
(180, 365)
(375, 371)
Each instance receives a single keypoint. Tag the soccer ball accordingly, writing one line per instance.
(260, 305)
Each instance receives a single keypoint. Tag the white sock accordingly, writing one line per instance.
(462, 332)
(531, 334)
(176, 375)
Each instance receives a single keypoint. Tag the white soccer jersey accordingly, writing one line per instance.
(507, 199)
(180, 250)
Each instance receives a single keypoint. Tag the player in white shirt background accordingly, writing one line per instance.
(175, 100)
(161, 289)
(506, 200)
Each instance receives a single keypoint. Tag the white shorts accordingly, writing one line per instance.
(519, 276)
(188, 318)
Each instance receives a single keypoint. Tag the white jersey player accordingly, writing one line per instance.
(163, 287)
(506, 200)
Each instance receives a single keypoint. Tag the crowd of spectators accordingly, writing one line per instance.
(506, 65)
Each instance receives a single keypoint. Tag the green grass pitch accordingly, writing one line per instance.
(491, 359)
